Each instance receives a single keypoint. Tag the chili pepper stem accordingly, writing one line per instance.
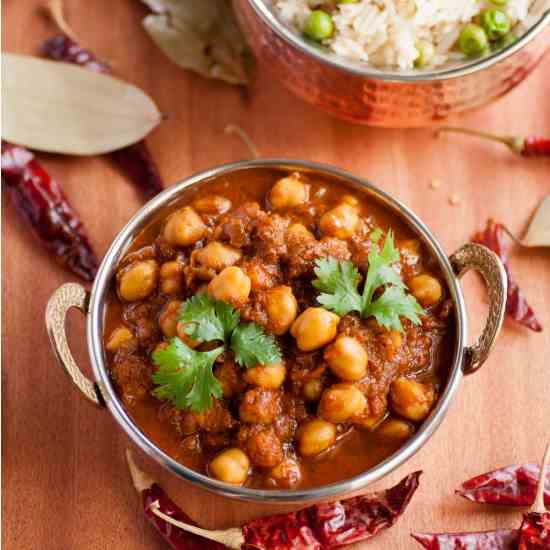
(539, 506)
(237, 130)
(515, 144)
(54, 9)
(232, 538)
(140, 479)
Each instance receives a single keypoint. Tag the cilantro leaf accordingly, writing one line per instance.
(208, 319)
(252, 346)
(381, 271)
(337, 282)
(392, 304)
(185, 376)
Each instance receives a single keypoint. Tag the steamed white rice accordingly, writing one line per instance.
(383, 33)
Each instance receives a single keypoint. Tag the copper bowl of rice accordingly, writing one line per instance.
(365, 72)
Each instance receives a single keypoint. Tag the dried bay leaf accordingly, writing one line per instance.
(200, 35)
(60, 108)
(538, 232)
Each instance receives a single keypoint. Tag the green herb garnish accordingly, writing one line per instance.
(338, 282)
(185, 376)
(252, 346)
(208, 319)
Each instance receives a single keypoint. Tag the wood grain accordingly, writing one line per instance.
(65, 481)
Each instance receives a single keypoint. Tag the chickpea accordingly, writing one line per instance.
(374, 414)
(299, 231)
(286, 474)
(315, 437)
(314, 328)
(184, 337)
(230, 466)
(312, 389)
(184, 227)
(395, 429)
(340, 402)
(351, 200)
(216, 255)
(231, 285)
(171, 277)
(120, 336)
(266, 376)
(213, 205)
(138, 280)
(426, 289)
(411, 399)
(347, 358)
(168, 319)
(340, 222)
(288, 192)
(282, 308)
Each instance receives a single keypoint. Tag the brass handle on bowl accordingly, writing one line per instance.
(488, 264)
(61, 301)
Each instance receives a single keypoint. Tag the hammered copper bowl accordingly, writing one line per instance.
(466, 359)
(397, 99)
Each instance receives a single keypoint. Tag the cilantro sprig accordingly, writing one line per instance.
(252, 346)
(338, 282)
(207, 319)
(184, 376)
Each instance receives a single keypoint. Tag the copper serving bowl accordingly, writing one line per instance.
(465, 360)
(398, 99)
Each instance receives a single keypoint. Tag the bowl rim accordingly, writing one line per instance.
(168, 198)
(268, 16)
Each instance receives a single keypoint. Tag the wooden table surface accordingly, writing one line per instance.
(65, 483)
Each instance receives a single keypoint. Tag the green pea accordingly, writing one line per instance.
(495, 23)
(473, 41)
(426, 52)
(499, 3)
(319, 25)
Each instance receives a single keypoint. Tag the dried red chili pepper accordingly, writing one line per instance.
(318, 527)
(360, 518)
(513, 485)
(63, 48)
(530, 146)
(333, 524)
(534, 533)
(44, 206)
(138, 164)
(493, 237)
(135, 160)
(503, 539)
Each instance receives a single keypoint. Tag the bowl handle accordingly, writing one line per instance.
(61, 301)
(488, 264)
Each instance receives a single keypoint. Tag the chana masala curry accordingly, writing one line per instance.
(279, 330)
